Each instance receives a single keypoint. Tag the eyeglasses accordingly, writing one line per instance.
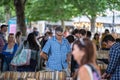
(59, 33)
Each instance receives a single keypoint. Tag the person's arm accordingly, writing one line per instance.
(45, 51)
(105, 76)
(114, 59)
(43, 55)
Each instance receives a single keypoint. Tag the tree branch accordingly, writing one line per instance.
(88, 17)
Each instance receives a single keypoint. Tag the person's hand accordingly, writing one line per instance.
(105, 76)
(43, 55)
(68, 57)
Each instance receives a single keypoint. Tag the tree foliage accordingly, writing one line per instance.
(113, 4)
(2, 19)
(7, 8)
(4, 2)
(55, 10)
(90, 8)
(52, 10)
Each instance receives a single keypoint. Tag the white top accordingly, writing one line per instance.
(89, 72)
(9, 50)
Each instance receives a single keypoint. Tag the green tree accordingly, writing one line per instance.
(2, 19)
(18, 6)
(51, 10)
(6, 8)
(90, 8)
(113, 5)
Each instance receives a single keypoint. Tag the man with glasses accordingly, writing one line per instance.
(56, 50)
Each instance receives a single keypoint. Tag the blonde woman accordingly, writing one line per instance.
(8, 51)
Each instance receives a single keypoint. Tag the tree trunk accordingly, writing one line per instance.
(7, 13)
(63, 25)
(93, 20)
(20, 7)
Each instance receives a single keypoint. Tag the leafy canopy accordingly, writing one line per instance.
(52, 10)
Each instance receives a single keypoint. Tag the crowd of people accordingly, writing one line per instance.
(75, 54)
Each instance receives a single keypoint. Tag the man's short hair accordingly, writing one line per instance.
(107, 30)
(75, 31)
(70, 38)
(108, 38)
(34, 28)
(59, 29)
(82, 31)
(3, 25)
(89, 34)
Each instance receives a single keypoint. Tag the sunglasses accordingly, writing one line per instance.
(59, 33)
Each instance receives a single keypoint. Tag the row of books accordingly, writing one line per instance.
(41, 75)
(102, 66)
(102, 54)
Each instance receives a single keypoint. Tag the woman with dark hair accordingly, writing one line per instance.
(31, 40)
(96, 40)
(18, 36)
(84, 52)
(30, 43)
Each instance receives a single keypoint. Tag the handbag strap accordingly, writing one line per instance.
(94, 70)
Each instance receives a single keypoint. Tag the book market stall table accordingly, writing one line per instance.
(102, 60)
(41, 75)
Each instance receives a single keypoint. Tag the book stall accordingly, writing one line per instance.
(41, 75)
(102, 54)
(102, 59)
